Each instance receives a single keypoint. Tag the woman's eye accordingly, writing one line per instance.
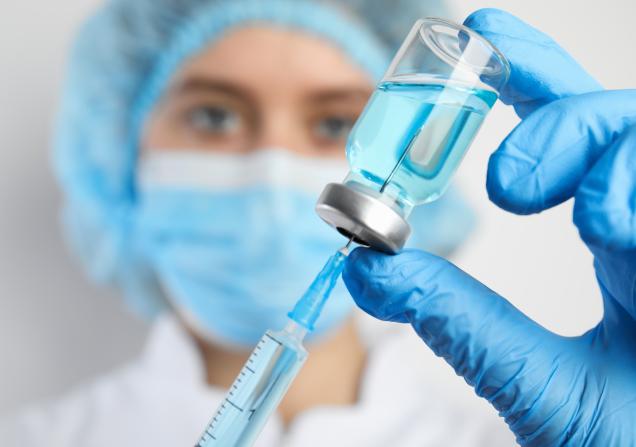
(213, 119)
(334, 128)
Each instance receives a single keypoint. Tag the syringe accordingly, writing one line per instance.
(271, 368)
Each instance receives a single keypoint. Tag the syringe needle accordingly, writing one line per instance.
(345, 250)
(308, 308)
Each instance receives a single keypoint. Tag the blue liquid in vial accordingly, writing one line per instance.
(412, 136)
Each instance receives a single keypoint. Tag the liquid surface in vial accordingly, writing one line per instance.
(412, 136)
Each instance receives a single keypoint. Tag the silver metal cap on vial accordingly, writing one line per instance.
(361, 216)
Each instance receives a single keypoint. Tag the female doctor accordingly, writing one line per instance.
(193, 139)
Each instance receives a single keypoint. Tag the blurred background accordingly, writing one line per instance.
(56, 330)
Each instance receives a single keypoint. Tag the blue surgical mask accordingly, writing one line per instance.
(234, 239)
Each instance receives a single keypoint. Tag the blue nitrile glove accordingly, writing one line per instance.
(574, 141)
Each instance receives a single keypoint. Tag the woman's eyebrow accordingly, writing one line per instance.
(207, 85)
(340, 94)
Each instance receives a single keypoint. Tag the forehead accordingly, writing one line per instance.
(271, 57)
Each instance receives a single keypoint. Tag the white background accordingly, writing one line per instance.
(57, 330)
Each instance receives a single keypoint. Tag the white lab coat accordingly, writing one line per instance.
(407, 398)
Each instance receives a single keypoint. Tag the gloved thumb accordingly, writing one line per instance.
(480, 334)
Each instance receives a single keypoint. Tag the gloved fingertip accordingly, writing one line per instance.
(360, 260)
(486, 17)
(357, 253)
(356, 270)
(509, 184)
(358, 278)
(382, 284)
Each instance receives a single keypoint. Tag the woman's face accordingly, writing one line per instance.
(261, 87)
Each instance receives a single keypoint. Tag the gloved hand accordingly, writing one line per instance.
(574, 141)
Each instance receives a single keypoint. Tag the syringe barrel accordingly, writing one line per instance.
(258, 389)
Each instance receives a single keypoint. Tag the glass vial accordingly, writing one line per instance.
(414, 131)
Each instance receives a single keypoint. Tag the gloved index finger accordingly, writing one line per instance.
(540, 70)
